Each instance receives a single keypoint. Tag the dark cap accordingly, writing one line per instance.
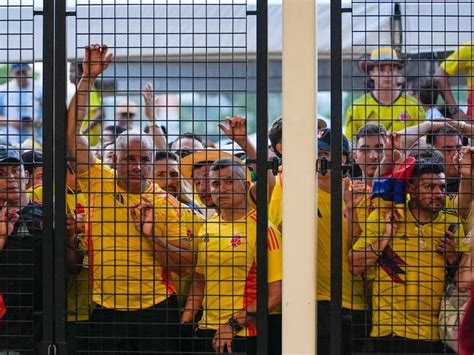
(324, 141)
(20, 66)
(8, 154)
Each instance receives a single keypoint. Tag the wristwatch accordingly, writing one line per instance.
(236, 327)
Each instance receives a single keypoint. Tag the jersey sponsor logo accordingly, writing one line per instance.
(404, 116)
(235, 240)
(119, 198)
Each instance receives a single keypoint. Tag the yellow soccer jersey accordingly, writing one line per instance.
(404, 112)
(36, 193)
(192, 221)
(79, 305)
(94, 104)
(409, 279)
(274, 207)
(227, 259)
(125, 273)
(352, 286)
(461, 60)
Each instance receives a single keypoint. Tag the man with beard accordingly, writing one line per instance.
(135, 236)
(410, 253)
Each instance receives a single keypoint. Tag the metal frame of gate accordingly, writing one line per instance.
(54, 339)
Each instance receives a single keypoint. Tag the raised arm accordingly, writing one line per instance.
(159, 138)
(411, 134)
(194, 299)
(96, 60)
(359, 260)
(464, 198)
(236, 129)
(445, 87)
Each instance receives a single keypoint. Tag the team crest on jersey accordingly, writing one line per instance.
(189, 234)
(404, 116)
(235, 240)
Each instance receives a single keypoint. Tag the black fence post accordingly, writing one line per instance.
(336, 177)
(59, 146)
(262, 158)
(48, 176)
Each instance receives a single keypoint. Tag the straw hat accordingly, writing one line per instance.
(188, 163)
(381, 56)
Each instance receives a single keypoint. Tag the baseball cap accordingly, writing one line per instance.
(8, 154)
(324, 141)
(127, 106)
(20, 66)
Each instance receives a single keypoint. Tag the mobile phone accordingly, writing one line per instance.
(453, 227)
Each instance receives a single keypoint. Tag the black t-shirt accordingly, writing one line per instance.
(21, 281)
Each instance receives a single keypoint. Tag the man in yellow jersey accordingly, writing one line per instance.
(168, 177)
(195, 168)
(33, 163)
(386, 104)
(276, 193)
(135, 239)
(410, 255)
(448, 141)
(225, 281)
(368, 150)
(91, 126)
(353, 301)
(461, 60)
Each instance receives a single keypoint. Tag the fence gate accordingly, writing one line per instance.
(172, 126)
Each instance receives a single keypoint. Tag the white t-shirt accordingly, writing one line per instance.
(21, 102)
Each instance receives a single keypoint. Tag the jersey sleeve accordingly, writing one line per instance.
(458, 61)
(168, 222)
(463, 240)
(274, 255)
(201, 254)
(371, 230)
(348, 131)
(96, 175)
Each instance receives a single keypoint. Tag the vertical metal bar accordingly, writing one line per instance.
(60, 175)
(299, 67)
(48, 177)
(336, 176)
(262, 158)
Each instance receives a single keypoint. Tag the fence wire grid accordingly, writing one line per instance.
(128, 178)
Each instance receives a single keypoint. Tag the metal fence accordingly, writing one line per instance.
(137, 147)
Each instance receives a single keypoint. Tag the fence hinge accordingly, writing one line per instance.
(273, 165)
(323, 165)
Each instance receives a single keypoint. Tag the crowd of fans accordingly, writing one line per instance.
(161, 233)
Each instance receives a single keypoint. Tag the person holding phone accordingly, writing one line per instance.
(407, 254)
